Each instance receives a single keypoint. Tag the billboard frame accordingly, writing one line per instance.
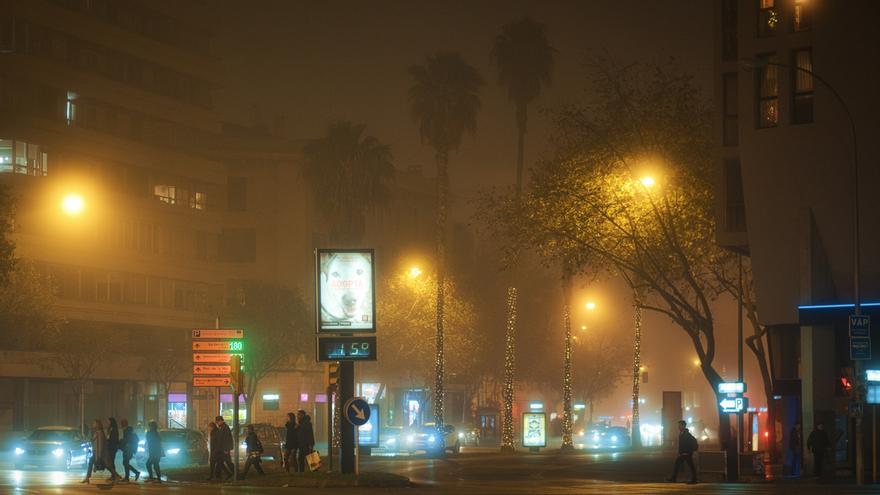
(525, 416)
(341, 329)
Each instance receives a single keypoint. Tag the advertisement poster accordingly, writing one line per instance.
(368, 434)
(345, 291)
(534, 429)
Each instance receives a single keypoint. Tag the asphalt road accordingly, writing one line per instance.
(474, 472)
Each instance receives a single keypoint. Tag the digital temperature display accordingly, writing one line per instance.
(346, 348)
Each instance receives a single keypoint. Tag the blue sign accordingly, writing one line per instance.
(734, 405)
(368, 435)
(859, 326)
(357, 411)
(860, 348)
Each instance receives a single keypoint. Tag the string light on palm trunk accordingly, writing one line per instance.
(509, 362)
(567, 442)
(637, 365)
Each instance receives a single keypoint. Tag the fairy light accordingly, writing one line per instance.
(439, 357)
(509, 362)
(567, 443)
(637, 365)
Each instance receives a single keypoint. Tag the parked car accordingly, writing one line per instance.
(182, 447)
(52, 446)
(271, 438)
(427, 438)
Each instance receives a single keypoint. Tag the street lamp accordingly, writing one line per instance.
(648, 181)
(414, 271)
(590, 305)
(73, 204)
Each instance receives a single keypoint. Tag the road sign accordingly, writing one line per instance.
(217, 333)
(734, 405)
(212, 345)
(357, 411)
(860, 348)
(200, 369)
(859, 326)
(211, 381)
(360, 348)
(731, 388)
(211, 357)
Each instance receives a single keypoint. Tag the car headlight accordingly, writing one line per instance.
(431, 438)
(58, 452)
(141, 449)
(173, 451)
(19, 451)
(614, 438)
(461, 435)
(410, 438)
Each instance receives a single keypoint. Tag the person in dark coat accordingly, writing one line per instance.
(687, 445)
(225, 444)
(155, 452)
(796, 445)
(215, 463)
(305, 438)
(99, 446)
(818, 443)
(290, 444)
(112, 447)
(254, 452)
(129, 448)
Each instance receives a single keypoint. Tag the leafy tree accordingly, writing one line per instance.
(444, 103)
(277, 325)
(350, 174)
(7, 220)
(594, 201)
(166, 364)
(599, 362)
(524, 59)
(27, 306)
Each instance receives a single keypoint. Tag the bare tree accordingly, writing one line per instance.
(599, 363)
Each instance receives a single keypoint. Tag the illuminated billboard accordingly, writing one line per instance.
(368, 434)
(345, 290)
(534, 429)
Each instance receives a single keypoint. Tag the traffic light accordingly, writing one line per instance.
(236, 375)
(332, 375)
(846, 381)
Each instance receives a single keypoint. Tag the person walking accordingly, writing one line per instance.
(254, 452)
(225, 444)
(305, 438)
(99, 446)
(818, 443)
(290, 446)
(129, 448)
(214, 458)
(155, 452)
(112, 448)
(687, 445)
(796, 445)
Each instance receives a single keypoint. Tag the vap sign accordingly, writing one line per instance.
(345, 289)
(534, 429)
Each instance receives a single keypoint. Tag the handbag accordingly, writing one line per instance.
(314, 460)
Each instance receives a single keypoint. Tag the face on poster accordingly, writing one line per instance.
(345, 285)
(534, 430)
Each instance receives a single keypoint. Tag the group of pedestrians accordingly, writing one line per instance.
(106, 443)
(220, 445)
(299, 441)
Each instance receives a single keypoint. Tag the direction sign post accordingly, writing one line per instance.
(357, 412)
(734, 405)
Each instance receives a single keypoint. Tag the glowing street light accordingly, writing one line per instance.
(73, 204)
(591, 306)
(648, 181)
(414, 272)
(583, 327)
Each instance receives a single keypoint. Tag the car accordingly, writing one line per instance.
(605, 437)
(391, 438)
(271, 438)
(182, 447)
(427, 438)
(616, 437)
(52, 446)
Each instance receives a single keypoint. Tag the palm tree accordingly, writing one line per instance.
(444, 103)
(524, 59)
(350, 174)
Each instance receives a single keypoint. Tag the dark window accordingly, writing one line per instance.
(802, 86)
(768, 91)
(735, 204)
(729, 39)
(801, 20)
(768, 18)
(7, 35)
(238, 245)
(236, 193)
(731, 120)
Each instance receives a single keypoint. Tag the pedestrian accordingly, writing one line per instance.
(99, 446)
(687, 445)
(129, 448)
(796, 445)
(225, 443)
(818, 443)
(214, 458)
(305, 438)
(254, 452)
(155, 452)
(290, 443)
(112, 448)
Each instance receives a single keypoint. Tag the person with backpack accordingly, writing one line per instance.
(687, 445)
(129, 448)
(254, 452)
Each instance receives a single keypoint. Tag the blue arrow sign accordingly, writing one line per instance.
(357, 411)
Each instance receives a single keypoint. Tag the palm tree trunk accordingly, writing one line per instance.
(567, 443)
(521, 121)
(439, 358)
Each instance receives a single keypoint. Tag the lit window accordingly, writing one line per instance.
(70, 108)
(198, 201)
(801, 18)
(768, 18)
(5, 155)
(802, 91)
(165, 193)
(768, 92)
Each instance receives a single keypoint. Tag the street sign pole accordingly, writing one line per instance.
(346, 392)
(235, 427)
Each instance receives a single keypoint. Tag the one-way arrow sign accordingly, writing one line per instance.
(357, 411)
(732, 405)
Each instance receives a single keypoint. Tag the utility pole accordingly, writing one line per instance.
(739, 360)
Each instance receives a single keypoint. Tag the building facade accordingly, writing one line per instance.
(795, 110)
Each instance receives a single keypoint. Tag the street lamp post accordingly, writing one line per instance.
(857, 366)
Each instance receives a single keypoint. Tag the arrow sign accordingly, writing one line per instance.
(211, 358)
(212, 345)
(217, 333)
(211, 370)
(357, 411)
(731, 405)
(211, 381)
